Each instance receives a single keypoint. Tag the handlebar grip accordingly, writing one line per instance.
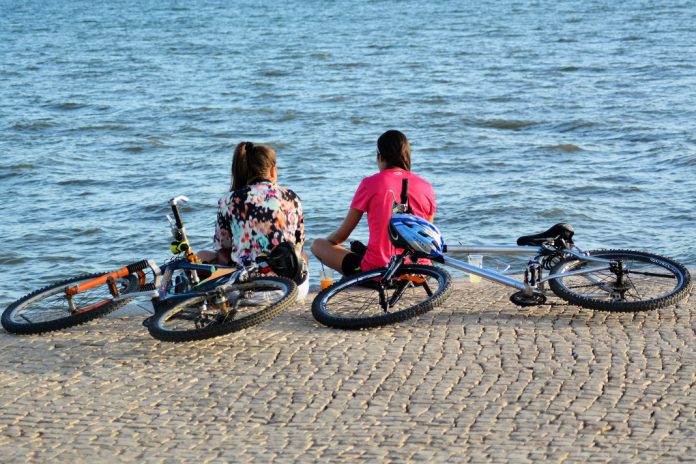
(404, 191)
(177, 216)
(175, 209)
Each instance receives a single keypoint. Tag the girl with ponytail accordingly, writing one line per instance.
(256, 214)
(373, 197)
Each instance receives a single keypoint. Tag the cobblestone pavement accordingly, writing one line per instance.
(475, 380)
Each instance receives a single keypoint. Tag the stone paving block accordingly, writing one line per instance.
(476, 380)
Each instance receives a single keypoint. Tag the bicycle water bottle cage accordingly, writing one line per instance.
(417, 236)
(560, 236)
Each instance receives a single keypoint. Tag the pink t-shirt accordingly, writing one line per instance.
(373, 197)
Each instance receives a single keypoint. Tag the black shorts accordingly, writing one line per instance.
(351, 264)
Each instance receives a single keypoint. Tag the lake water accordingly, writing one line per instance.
(521, 114)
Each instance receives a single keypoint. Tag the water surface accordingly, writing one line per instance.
(521, 115)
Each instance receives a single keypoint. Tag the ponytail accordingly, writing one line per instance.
(251, 163)
(240, 171)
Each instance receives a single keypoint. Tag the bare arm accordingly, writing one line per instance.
(341, 234)
(212, 257)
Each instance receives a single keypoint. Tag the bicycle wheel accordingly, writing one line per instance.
(355, 302)
(204, 316)
(649, 282)
(48, 309)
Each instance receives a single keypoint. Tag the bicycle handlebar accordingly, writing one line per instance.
(175, 209)
(179, 199)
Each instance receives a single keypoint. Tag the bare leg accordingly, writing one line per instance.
(208, 256)
(329, 253)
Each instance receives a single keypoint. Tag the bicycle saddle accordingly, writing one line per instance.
(563, 231)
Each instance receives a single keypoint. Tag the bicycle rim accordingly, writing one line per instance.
(205, 316)
(356, 303)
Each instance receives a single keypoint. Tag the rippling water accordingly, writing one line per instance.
(521, 115)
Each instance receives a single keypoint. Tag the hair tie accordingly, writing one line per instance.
(248, 147)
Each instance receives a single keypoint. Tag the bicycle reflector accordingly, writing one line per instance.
(416, 235)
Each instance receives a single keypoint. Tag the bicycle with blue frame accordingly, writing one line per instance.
(191, 300)
(609, 280)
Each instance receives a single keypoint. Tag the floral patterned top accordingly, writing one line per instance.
(255, 218)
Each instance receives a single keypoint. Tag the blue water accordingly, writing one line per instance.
(521, 114)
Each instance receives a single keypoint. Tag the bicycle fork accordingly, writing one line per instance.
(136, 269)
(384, 302)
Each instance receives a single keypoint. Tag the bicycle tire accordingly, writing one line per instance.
(361, 295)
(46, 309)
(199, 317)
(652, 282)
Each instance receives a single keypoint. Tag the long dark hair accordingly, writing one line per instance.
(251, 163)
(394, 149)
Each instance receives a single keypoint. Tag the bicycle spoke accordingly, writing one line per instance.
(653, 274)
(637, 295)
(56, 306)
(594, 283)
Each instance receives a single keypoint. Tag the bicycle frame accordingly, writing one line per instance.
(161, 294)
(526, 287)
(159, 289)
(515, 250)
(534, 279)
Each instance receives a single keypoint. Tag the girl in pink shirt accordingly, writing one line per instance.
(373, 197)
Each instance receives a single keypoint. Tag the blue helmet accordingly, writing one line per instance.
(416, 235)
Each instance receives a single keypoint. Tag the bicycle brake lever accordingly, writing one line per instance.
(394, 202)
(396, 206)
